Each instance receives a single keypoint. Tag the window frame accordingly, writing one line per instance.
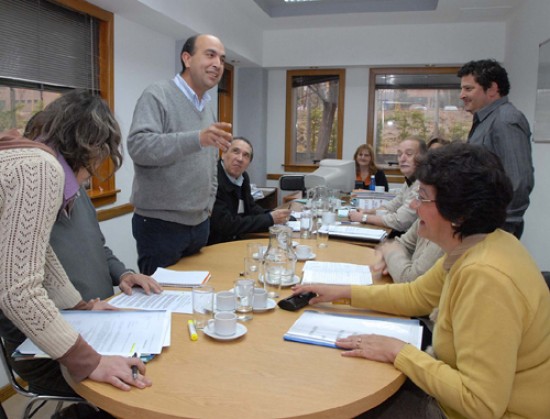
(341, 73)
(395, 175)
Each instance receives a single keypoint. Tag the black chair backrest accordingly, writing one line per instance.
(546, 276)
(291, 183)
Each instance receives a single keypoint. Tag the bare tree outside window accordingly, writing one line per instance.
(314, 122)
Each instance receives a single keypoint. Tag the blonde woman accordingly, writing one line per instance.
(365, 168)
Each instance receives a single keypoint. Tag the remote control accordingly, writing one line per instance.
(296, 302)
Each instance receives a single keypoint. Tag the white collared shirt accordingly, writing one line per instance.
(190, 93)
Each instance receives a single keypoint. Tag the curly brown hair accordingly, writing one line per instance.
(81, 127)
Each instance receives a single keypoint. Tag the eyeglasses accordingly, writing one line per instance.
(417, 198)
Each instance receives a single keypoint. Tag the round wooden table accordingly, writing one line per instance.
(258, 375)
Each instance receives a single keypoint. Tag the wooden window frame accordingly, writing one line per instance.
(103, 188)
(288, 166)
(394, 175)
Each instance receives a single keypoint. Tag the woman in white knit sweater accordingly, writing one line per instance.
(37, 181)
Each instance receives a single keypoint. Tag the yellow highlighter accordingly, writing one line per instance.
(192, 330)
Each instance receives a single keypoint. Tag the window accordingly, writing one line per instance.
(423, 102)
(314, 117)
(47, 48)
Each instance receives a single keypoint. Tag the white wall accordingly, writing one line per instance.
(384, 45)
(142, 56)
(525, 32)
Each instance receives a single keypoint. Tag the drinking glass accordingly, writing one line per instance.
(203, 305)
(273, 276)
(255, 250)
(244, 293)
(252, 268)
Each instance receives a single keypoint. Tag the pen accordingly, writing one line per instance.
(134, 368)
(192, 331)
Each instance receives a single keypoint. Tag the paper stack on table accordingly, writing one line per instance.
(171, 278)
(324, 329)
(360, 233)
(336, 273)
(114, 332)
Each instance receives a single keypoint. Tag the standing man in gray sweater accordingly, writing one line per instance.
(174, 141)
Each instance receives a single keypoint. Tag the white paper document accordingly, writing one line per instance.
(294, 225)
(336, 273)
(170, 278)
(361, 233)
(170, 300)
(324, 329)
(116, 332)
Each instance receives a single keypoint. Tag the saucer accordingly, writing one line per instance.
(241, 331)
(295, 281)
(310, 257)
(270, 305)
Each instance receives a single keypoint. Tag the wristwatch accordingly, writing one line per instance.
(364, 218)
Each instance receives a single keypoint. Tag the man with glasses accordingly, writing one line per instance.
(400, 216)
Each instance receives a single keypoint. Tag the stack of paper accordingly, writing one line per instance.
(174, 301)
(336, 273)
(361, 233)
(324, 329)
(114, 332)
(170, 278)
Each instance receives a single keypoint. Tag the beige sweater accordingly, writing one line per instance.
(33, 285)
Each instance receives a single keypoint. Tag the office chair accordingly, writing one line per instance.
(546, 275)
(292, 183)
(34, 397)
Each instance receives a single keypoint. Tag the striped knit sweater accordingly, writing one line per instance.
(33, 285)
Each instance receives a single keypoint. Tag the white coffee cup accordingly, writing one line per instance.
(225, 301)
(379, 189)
(260, 298)
(303, 251)
(223, 323)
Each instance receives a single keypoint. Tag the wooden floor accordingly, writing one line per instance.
(15, 406)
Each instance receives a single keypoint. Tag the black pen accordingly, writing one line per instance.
(134, 368)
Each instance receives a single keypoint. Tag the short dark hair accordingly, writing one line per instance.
(486, 72)
(472, 187)
(189, 47)
(249, 143)
(81, 127)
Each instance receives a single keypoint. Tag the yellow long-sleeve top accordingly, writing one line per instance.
(492, 334)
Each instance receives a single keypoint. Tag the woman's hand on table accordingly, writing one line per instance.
(117, 371)
(374, 347)
(325, 293)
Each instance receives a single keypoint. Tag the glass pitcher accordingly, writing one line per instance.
(279, 263)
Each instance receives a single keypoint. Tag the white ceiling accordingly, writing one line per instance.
(244, 21)
(447, 11)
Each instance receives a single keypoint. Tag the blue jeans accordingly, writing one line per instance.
(162, 243)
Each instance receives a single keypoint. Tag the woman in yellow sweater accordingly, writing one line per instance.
(491, 338)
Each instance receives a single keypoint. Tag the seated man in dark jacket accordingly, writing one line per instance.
(235, 213)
